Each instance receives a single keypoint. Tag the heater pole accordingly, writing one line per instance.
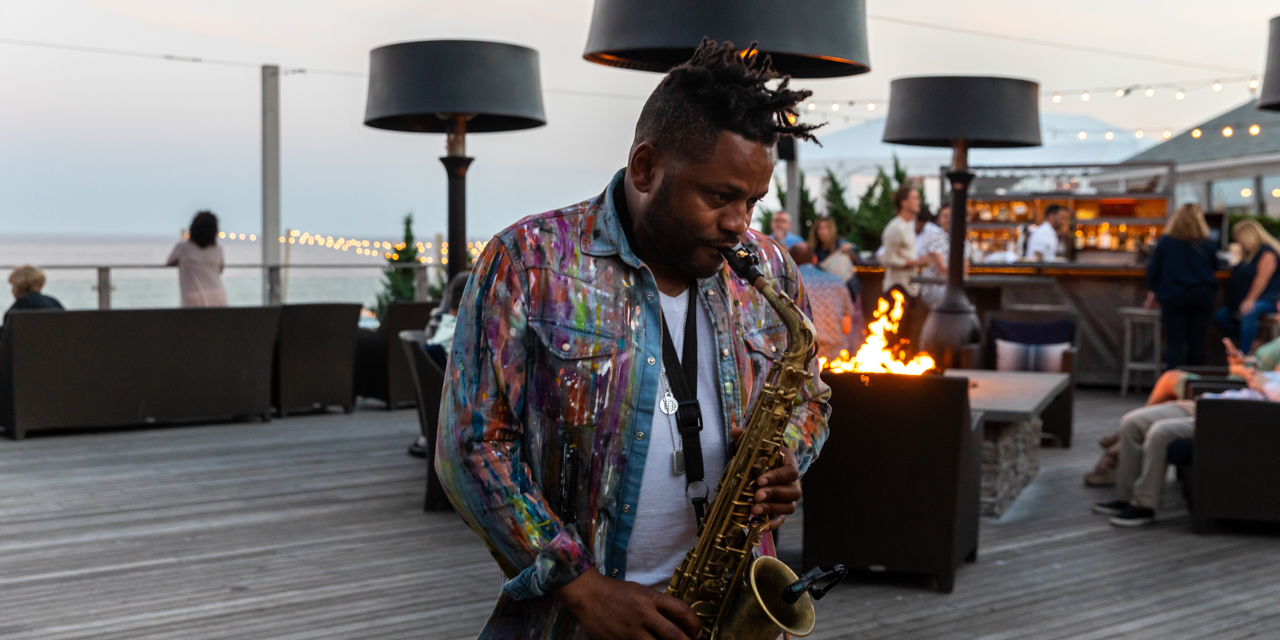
(954, 323)
(271, 294)
(455, 165)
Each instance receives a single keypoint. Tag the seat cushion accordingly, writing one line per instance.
(1016, 356)
(1180, 451)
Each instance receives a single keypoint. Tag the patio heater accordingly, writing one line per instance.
(961, 112)
(1270, 99)
(803, 38)
(454, 87)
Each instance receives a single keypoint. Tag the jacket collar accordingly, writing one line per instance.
(604, 235)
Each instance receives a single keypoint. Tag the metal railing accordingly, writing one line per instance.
(274, 276)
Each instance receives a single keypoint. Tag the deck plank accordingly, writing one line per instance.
(311, 528)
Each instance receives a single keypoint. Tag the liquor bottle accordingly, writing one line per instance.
(1079, 239)
(1104, 237)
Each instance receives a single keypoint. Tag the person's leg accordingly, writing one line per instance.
(1146, 490)
(1174, 317)
(1249, 323)
(1133, 434)
(1226, 322)
(1166, 387)
(1198, 325)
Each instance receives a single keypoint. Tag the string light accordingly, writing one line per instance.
(1275, 193)
(1226, 132)
(1195, 133)
(1120, 93)
(1253, 83)
(1057, 97)
(1254, 130)
(1082, 135)
(835, 106)
(1085, 96)
(812, 106)
(1150, 91)
(1137, 134)
(1217, 86)
(1167, 134)
(1110, 135)
(871, 106)
(1180, 94)
(1246, 192)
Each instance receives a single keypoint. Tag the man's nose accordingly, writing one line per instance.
(736, 220)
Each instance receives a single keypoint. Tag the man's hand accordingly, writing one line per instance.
(1246, 308)
(613, 609)
(779, 488)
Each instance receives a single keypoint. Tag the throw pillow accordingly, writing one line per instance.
(1015, 356)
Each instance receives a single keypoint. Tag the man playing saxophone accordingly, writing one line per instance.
(605, 358)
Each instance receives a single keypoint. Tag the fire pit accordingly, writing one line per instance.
(896, 487)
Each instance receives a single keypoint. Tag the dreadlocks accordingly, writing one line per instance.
(720, 89)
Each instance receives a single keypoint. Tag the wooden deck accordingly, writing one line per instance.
(311, 527)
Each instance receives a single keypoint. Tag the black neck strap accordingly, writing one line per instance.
(682, 375)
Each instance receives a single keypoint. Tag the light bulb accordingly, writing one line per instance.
(871, 106)
(1275, 193)
(1167, 134)
(812, 106)
(1180, 94)
(1120, 93)
(1245, 193)
(1057, 98)
(1253, 82)
(1254, 130)
(1150, 91)
(1085, 96)
(835, 107)
(1082, 135)
(1195, 133)
(1226, 132)
(1137, 134)
(1110, 135)
(1217, 86)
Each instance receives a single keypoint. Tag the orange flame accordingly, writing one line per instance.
(875, 355)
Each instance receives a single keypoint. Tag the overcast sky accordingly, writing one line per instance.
(93, 143)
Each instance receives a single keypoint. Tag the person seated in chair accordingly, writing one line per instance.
(437, 345)
(1172, 386)
(1145, 436)
(26, 282)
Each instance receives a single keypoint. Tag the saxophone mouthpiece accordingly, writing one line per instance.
(744, 262)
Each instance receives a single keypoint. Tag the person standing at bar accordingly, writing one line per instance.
(900, 259)
(199, 261)
(1042, 246)
(1180, 280)
(1254, 285)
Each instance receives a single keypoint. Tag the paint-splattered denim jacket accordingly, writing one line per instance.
(551, 387)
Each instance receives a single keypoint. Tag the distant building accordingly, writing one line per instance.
(1236, 173)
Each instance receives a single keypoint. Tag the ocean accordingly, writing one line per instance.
(139, 279)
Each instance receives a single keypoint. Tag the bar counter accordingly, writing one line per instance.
(1094, 293)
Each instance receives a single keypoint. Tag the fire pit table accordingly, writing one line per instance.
(1011, 403)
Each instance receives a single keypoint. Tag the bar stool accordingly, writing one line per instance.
(1140, 324)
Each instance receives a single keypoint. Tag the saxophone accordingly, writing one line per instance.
(735, 596)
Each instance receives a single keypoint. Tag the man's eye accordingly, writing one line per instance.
(724, 197)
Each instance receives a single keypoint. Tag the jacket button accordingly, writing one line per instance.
(648, 296)
(613, 572)
(651, 361)
(773, 349)
(639, 435)
(724, 352)
(626, 508)
(565, 346)
(711, 292)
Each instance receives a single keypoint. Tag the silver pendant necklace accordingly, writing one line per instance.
(669, 406)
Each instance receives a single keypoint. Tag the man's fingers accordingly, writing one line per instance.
(785, 474)
(780, 493)
(776, 522)
(678, 614)
(770, 509)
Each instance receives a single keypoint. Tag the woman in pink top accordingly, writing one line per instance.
(199, 262)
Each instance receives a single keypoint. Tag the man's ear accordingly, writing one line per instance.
(643, 167)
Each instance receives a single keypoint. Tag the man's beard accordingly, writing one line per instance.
(676, 245)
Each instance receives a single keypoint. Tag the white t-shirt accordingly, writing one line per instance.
(1044, 240)
(665, 526)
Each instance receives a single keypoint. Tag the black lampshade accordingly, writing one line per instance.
(987, 112)
(805, 38)
(412, 84)
(1270, 99)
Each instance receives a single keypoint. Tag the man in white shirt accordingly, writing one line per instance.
(1043, 244)
(901, 260)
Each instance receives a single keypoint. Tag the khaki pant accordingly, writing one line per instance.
(1145, 435)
